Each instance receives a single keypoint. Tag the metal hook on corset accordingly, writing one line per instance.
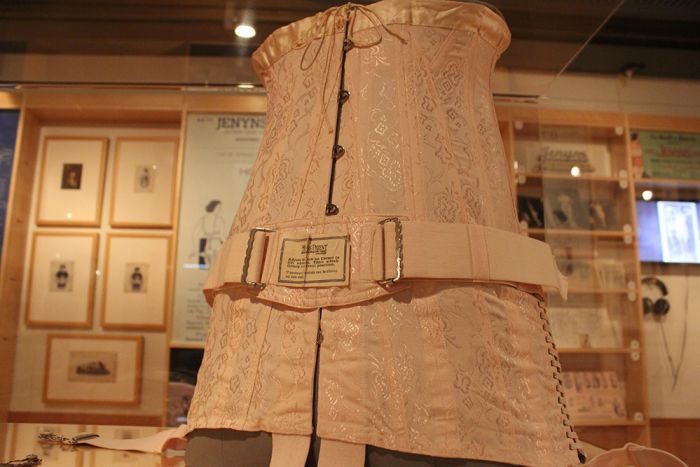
(334, 16)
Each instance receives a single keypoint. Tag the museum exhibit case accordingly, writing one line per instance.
(116, 199)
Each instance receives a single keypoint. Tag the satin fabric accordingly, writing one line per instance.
(442, 368)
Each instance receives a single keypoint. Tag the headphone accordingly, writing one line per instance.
(659, 307)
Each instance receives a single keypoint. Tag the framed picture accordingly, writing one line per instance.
(603, 214)
(93, 369)
(24, 439)
(62, 280)
(143, 184)
(137, 282)
(109, 457)
(71, 183)
(531, 211)
(565, 210)
(611, 273)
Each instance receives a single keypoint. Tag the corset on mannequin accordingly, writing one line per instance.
(441, 368)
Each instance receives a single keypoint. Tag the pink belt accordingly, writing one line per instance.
(399, 251)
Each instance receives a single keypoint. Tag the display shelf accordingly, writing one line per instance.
(596, 291)
(674, 183)
(609, 422)
(581, 233)
(567, 177)
(593, 350)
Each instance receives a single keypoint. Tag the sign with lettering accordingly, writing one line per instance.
(559, 149)
(219, 153)
(666, 155)
(314, 261)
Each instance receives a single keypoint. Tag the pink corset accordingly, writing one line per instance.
(391, 116)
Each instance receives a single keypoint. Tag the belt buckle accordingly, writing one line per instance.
(246, 261)
(399, 251)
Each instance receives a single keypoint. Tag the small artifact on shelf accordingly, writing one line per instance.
(610, 273)
(594, 395)
(583, 327)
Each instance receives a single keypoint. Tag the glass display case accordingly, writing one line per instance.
(573, 189)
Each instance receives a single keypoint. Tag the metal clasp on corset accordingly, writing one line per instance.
(350, 10)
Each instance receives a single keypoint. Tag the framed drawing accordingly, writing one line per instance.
(71, 183)
(137, 282)
(93, 369)
(143, 183)
(62, 280)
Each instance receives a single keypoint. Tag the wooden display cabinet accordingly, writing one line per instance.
(573, 189)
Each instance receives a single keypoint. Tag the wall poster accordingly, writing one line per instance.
(9, 119)
(219, 153)
(658, 154)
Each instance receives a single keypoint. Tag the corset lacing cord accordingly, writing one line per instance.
(332, 17)
(571, 435)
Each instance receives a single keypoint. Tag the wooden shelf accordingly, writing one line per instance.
(564, 176)
(582, 233)
(594, 350)
(595, 291)
(608, 422)
(667, 182)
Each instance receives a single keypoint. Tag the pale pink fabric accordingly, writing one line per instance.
(445, 368)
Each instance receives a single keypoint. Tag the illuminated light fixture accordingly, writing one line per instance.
(647, 195)
(244, 31)
(575, 171)
(69, 215)
(245, 86)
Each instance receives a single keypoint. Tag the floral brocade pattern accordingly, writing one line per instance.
(444, 368)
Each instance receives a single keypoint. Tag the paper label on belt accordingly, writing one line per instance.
(319, 261)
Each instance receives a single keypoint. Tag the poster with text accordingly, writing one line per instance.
(668, 155)
(220, 150)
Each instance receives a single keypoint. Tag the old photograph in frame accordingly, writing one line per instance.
(143, 182)
(71, 183)
(136, 282)
(61, 284)
(93, 369)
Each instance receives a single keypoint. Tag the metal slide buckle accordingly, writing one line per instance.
(399, 250)
(246, 261)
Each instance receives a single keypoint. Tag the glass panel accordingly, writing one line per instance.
(193, 44)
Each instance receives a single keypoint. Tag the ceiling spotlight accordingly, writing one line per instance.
(244, 31)
(575, 171)
(647, 195)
